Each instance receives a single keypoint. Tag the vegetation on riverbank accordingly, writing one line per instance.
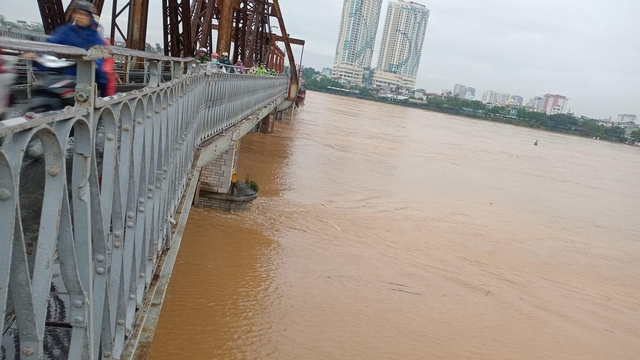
(476, 109)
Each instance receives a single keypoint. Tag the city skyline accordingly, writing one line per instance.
(495, 44)
(461, 45)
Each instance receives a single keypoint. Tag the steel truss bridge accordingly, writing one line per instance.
(94, 198)
(189, 25)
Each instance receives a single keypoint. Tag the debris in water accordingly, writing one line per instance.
(408, 292)
(398, 284)
(335, 226)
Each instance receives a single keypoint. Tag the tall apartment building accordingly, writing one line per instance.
(356, 39)
(470, 93)
(495, 98)
(555, 104)
(460, 90)
(517, 99)
(403, 36)
(488, 96)
(502, 98)
(536, 104)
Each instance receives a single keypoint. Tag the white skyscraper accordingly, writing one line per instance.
(404, 30)
(488, 96)
(470, 93)
(495, 98)
(356, 39)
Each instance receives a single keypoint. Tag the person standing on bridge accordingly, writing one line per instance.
(224, 60)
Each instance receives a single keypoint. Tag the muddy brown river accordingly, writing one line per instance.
(384, 232)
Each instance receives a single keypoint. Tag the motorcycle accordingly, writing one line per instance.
(52, 89)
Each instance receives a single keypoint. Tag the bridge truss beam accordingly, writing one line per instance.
(53, 13)
(188, 26)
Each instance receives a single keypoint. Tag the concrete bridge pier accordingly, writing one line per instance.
(217, 176)
(267, 124)
(219, 187)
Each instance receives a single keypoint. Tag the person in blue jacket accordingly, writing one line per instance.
(80, 33)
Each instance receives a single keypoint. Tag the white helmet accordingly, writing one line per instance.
(225, 54)
(203, 50)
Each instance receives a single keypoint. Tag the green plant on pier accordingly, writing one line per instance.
(252, 184)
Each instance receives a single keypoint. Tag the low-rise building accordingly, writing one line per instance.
(381, 78)
(420, 94)
(626, 118)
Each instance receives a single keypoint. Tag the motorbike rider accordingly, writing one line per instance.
(108, 64)
(202, 56)
(239, 67)
(224, 60)
(80, 33)
(261, 70)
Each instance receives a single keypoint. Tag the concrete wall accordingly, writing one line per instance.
(223, 205)
(216, 175)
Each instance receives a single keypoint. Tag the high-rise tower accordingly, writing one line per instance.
(404, 30)
(356, 38)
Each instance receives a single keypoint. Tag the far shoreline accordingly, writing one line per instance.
(462, 117)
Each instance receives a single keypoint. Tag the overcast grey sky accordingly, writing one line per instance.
(587, 50)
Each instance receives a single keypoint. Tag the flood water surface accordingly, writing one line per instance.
(384, 232)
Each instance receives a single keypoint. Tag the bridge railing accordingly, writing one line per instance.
(88, 195)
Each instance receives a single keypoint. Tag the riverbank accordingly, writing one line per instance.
(561, 123)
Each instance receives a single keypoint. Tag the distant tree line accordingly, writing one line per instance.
(453, 105)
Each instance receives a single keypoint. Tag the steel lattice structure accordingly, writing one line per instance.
(243, 27)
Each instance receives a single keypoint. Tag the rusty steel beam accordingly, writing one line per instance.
(52, 14)
(137, 25)
(225, 23)
(135, 33)
(287, 43)
(246, 24)
(178, 41)
(292, 41)
(251, 32)
(202, 14)
(276, 58)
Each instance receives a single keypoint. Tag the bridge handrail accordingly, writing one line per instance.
(94, 53)
(90, 214)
